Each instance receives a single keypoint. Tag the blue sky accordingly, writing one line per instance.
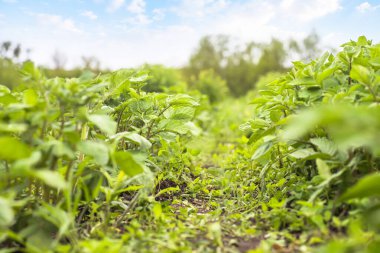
(125, 33)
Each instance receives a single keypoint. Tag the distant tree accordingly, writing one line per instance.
(212, 85)
(10, 56)
(161, 78)
(5, 46)
(9, 73)
(243, 66)
(240, 71)
(310, 43)
(305, 50)
(91, 63)
(272, 58)
(17, 51)
(209, 55)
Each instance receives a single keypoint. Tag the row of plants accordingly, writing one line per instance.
(315, 146)
(77, 155)
(98, 164)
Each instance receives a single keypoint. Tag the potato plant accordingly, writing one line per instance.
(320, 124)
(97, 164)
(72, 148)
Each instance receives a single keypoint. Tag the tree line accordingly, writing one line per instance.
(217, 67)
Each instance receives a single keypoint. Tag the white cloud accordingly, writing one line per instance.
(139, 19)
(309, 10)
(137, 6)
(89, 14)
(115, 5)
(365, 6)
(169, 45)
(247, 21)
(158, 14)
(137, 39)
(57, 21)
(199, 8)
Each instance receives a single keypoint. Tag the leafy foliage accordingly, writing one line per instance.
(95, 164)
(162, 78)
(72, 147)
(211, 85)
(319, 125)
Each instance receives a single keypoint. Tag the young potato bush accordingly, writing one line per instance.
(96, 164)
(72, 148)
(212, 85)
(317, 128)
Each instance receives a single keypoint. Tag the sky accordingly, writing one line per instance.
(128, 33)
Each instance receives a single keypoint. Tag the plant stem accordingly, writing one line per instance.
(131, 205)
(148, 135)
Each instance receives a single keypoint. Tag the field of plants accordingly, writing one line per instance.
(101, 164)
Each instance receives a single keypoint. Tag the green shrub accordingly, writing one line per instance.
(9, 73)
(71, 147)
(319, 124)
(212, 85)
(162, 78)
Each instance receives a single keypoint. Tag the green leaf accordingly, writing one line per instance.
(51, 178)
(321, 61)
(23, 167)
(323, 169)
(13, 127)
(139, 79)
(61, 149)
(57, 216)
(180, 113)
(274, 203)
(325, 145)
(304, 82)
(375, 62)
(361, 74)
(128, 163)
(103, 122)
(7, 99)
(362, 41)
(121, 80)
(176, 126)
(368, 186)
(133, 137)
(168, 190)
(4, 90)
(258, 134)
(157, 210)
(30, 71)
(299, 125)
(97, 150)
(259, 123)
(140, 106)
(6, 213)
(303, 153)
(13, 149)
(259, 100)
(276, 115)
(262, 150)
(192, 128)
(324, 74)
(30, 97)
(181, 99)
